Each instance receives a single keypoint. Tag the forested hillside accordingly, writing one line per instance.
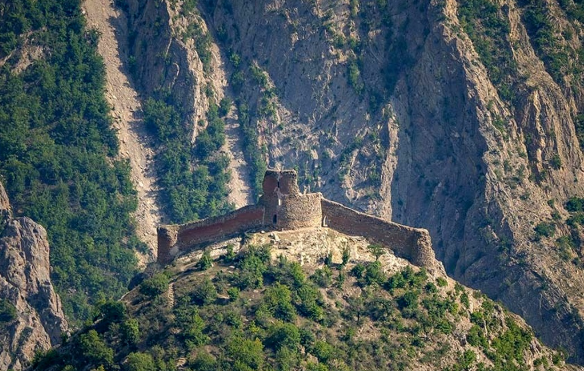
(344, 311)
(58, 151)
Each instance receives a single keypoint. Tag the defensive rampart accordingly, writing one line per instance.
(176, 239)
(413, 244)
(283, 207)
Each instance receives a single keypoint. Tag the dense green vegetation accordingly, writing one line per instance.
(560, 59)
(248, 119)
(488, 27)
(57, 151)
(553, 45)
(193, 176)
(265, 315)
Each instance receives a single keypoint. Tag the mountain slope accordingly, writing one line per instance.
(462, 118)
(58, 151)
(133, 141)
(242, 306)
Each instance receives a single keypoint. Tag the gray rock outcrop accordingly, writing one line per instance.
(25, 286)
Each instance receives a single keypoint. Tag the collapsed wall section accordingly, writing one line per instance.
(176, 239)
(413, 244)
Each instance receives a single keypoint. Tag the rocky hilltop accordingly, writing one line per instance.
(311, 299)
(462, 118)
(31, 318)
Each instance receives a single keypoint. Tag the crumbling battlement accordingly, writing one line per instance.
(173, 240)
(413, 244)
(283, 207)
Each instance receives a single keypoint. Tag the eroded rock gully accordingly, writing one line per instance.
(392, 111)
(134, 142)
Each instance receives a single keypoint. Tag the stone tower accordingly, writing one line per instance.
(285, 207)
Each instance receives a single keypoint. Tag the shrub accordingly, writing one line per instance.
(408, 303)
(154, 286)
(205, 262)
(94, 349)
(112, 311)
(575, 204)
(245, 354)
(283, 335)
(322, 351)
(278, 301)
(441, 282)
(545, 229)
(140, 362)
(205, 292)
(322, 277)
(233, 293)
(130, 332)
(465, 300)
(307, 298)
(354, 77)
(7, 311)
(358, 270)
(345, 256)
(252, 267)
(374, 273)
(376, 250)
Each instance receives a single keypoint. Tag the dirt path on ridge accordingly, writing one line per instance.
(111, 23)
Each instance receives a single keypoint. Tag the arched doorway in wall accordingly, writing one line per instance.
(275, 219)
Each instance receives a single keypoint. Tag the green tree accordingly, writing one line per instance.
(284, 335)
(205, 292)
(154, 286)
(376, 250)
(205, 262)
(94, 349)
(130, 331)
(140, 362)
(246, 354)
(278, 301)
(345, 256)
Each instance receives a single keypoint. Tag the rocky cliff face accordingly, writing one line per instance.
(462, 119)
(32, 318)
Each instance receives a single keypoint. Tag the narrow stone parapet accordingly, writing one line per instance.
(413, 244)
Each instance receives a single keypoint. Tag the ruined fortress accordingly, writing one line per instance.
(283, 207)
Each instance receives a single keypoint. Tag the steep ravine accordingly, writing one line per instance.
(390, 108)
(134, 143)
(165, 60)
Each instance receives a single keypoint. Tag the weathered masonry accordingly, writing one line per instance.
(283, 207)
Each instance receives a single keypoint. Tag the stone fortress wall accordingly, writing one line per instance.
(413, 244)
(173, 240)
(283, 207)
